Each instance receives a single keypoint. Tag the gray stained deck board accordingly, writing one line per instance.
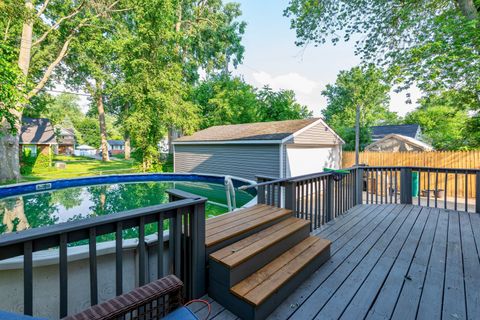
(390, 262)
(383, 253)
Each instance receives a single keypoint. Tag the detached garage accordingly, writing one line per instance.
(278, 149)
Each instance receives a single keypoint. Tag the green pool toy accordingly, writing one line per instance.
(342, 171)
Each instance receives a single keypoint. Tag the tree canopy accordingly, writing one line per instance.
(433, 43)
(226, 99)
(366, 87)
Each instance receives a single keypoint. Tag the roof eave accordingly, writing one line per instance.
(228, 142)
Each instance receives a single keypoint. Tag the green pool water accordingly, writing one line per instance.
(57, 206)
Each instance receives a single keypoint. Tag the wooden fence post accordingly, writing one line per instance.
(406, 186)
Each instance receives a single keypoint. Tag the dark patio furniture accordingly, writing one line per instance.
(151, 301)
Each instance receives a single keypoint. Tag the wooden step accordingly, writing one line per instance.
(259, 294)
(235, 262)
(231, 227)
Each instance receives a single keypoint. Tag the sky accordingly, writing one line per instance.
(272, 58)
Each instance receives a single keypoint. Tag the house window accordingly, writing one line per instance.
(30, 149)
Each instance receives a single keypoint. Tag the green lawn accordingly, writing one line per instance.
(82, 166)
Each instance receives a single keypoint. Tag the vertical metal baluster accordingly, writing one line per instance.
(381, 186)
(297, 206)
(466, 191)
(63, 265)
(446, 185)
(456, 189)
(304, 202)
(160, 246)
(178, 249)
(324, 198)
(141, 251)
(376, 186)
(92, 253)
(119, 259)
(317, 202)
(312, 195)
(272, 195)
(367, 180)
(372, 191)
(428, 187)
(419, 186)
(395, 189)
(28, 278)
(436, 187)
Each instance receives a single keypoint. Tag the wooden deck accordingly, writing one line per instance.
(390, 262)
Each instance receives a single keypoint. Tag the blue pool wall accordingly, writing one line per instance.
(45, 186)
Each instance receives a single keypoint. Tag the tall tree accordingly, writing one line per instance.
(156, 80)
(443, 123)
(226, 100)
(366, 87)
(42, 32)
(434, 43)
(280, 105)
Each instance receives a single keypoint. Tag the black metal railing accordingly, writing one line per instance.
(456, 189)
(182, 252)
(318, 197)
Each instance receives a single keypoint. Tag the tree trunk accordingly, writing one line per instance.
(9, 144)
(468, 9)
(10, 150)
(127, 146)
(101, 119)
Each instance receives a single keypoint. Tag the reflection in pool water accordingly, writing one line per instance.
(57, 206)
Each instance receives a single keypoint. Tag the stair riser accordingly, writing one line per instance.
(227, 242)
(246, 311)
(230, 277)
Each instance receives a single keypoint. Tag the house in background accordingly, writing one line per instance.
(277, 149)
(397, 138)
(116, 146)
(408, 130)
(398, 143)
(85, 151)
(66, 141)
(37, 136)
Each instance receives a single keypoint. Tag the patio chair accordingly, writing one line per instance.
(151, 301)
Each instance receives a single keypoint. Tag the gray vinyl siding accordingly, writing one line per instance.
(241, 160)
(318, 135)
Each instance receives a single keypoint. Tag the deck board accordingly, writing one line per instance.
(391, 262)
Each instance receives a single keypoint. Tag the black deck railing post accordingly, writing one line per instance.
(329, 194)
(406, 186)
(260, 191)
(477, 192)
(358, 194)
(199, 257)
(290, 198)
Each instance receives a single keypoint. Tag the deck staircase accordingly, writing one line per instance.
(258, 256)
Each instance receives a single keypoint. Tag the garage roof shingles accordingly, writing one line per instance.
(274, 130)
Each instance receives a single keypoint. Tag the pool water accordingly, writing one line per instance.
(34, 210)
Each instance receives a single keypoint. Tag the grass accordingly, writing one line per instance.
(82, 166)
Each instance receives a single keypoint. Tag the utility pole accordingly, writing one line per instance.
(357, 135)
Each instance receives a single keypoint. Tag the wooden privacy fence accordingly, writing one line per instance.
(463, 186)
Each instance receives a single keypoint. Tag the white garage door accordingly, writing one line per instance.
(310, 160)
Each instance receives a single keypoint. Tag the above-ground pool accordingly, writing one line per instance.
(34, 205)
